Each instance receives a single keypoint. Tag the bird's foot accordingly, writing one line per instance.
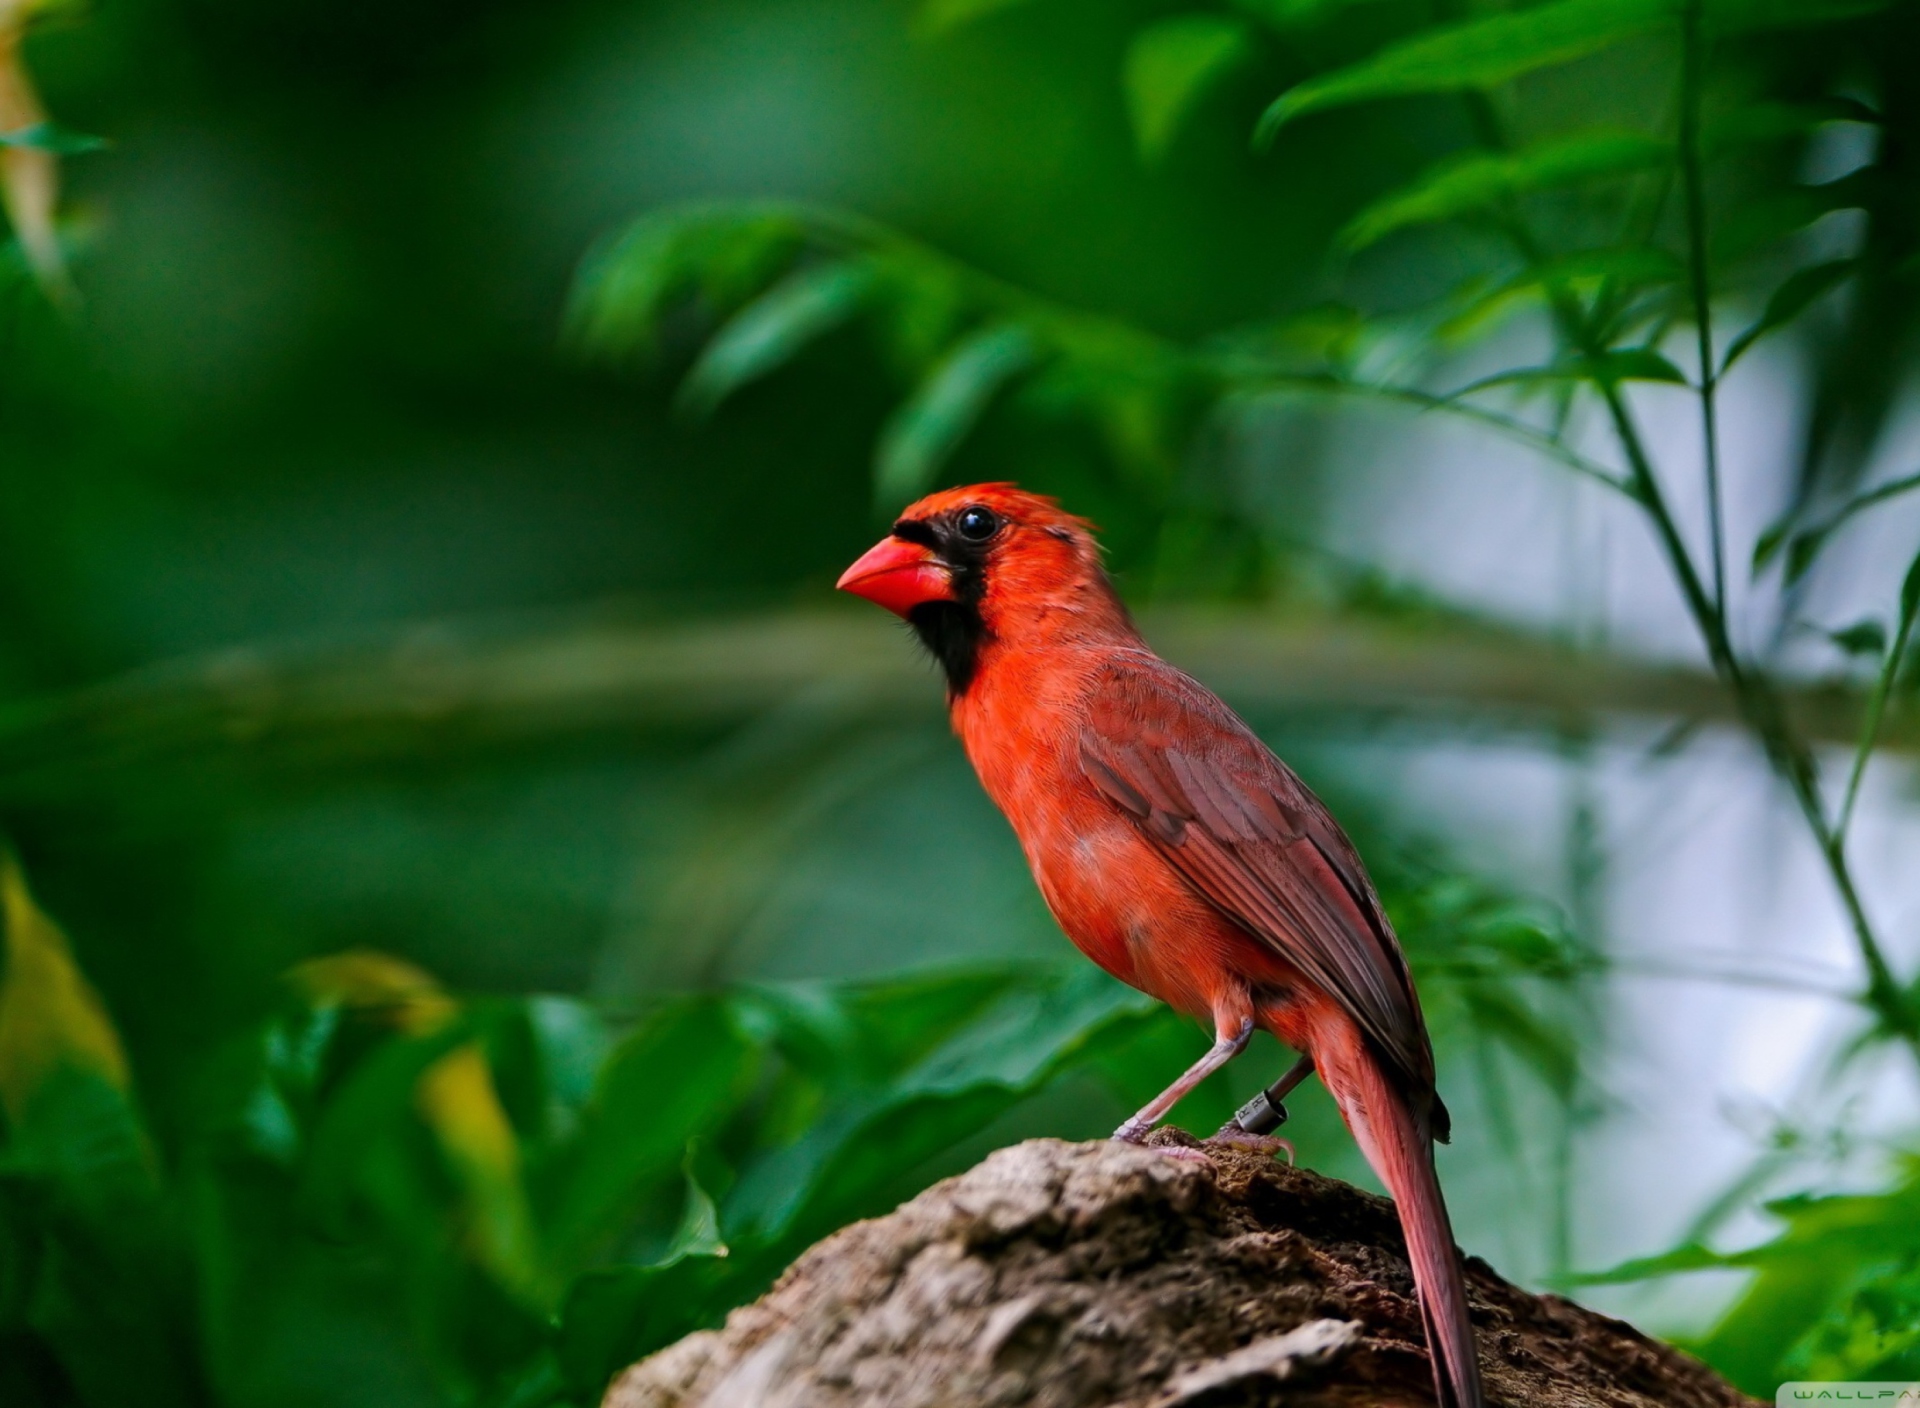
(1135, 1132)
(1239, 1138)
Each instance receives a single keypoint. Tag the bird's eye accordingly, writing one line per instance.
(978, 524)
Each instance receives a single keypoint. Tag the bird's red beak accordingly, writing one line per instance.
(899, 576)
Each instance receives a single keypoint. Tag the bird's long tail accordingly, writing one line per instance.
(1398, 1145)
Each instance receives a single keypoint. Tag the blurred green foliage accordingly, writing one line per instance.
(1834, 1296)
(464, 1071)
(390, 1195)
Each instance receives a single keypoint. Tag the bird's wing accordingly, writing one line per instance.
(1247, 834)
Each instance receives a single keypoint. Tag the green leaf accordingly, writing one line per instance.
(1475, 182)
(923, 434)
(1867, 637)
(1170, 66)
(868, 1139)
(1794, 296)
(1688, 1257)
(767, 333)
(1807, 1277)
(699, 1231)
(51, 1019)
(1475, 53)
(1802, 551)
(1621, 364)
(1754, 224)
(1631, 270)
(722, 253)
(1804, 547)
(1634, 364)
(615, 1315)
(1494, 49)
(675, 1079)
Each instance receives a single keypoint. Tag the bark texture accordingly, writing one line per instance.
(1096, 1275)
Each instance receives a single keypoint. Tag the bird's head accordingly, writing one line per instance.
(987, 563)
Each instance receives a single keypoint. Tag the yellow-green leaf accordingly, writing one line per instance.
(50, 1017)
(457, 1100)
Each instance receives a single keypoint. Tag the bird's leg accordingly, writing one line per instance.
(1253, 1126)
(1223, 1050)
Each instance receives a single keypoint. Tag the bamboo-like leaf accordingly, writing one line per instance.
(1864, 637)
(1475, 53)
(1466, 185)
(766, 334)
(1690, 1256)
(928, 428)
(1170, 66)
(1629, 269)
(722, 252)
(1895, 654)
(1798, 293)
(1622, 364)
(1771, 217)
(1634, 364)
(1803, 547)
(1496, 48)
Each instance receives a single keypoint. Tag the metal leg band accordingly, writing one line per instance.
(1261, 1115)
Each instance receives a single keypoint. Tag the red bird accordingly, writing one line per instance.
(1176, 851)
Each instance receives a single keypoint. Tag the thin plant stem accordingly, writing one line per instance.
(1761, 707)
(1250, 379)
(1693, 179)
(1759, 704)
(1870, 725)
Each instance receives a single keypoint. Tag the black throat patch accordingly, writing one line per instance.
(951, 630)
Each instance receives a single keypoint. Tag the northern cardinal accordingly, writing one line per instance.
(1176, 851)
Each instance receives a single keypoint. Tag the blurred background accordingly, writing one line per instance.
(478, 905)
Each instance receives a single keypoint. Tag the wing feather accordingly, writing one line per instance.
(1246, 833)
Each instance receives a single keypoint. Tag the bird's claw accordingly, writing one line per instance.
(1135, 1132)
(1184, 1154)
